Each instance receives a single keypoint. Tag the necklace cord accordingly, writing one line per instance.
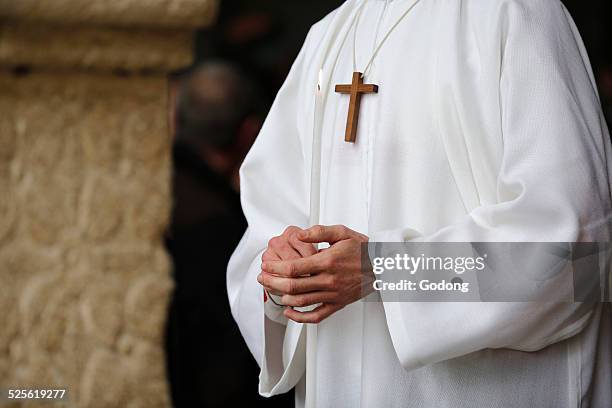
(380, 44)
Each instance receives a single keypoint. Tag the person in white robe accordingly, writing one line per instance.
(487, 127)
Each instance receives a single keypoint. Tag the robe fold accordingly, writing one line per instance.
(487, 128)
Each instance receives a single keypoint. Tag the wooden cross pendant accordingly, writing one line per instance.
(356, 90)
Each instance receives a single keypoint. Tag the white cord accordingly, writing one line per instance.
(393, 27)
(354, 26)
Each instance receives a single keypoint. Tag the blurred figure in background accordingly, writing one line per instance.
(218, 116)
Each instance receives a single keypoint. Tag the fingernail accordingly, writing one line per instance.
(259, 278)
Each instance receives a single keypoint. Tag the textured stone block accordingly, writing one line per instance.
(85, 194)
(40, 45)
(84, 279)
(131, 13)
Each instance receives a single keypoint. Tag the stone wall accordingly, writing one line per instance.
(85, 194)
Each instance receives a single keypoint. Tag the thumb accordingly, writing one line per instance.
(322, 233)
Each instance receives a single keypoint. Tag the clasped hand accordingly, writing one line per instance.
(304, 276)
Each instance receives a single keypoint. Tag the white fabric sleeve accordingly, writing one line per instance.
(553, 186)
(273, 196)
(274, 311)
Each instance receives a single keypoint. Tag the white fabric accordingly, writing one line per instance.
(274, 311)
(487, 127)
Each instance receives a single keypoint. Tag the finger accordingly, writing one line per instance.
(305, 249)
(270, 255)
(309, 299)
(296, 267)
(287, 252)
(280, 245)
(273, 292)
(322, 233)
(316, 316)
(293, 286)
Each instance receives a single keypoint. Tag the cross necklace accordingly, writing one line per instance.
(357, 88)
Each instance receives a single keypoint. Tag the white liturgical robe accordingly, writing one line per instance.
(487, 128)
